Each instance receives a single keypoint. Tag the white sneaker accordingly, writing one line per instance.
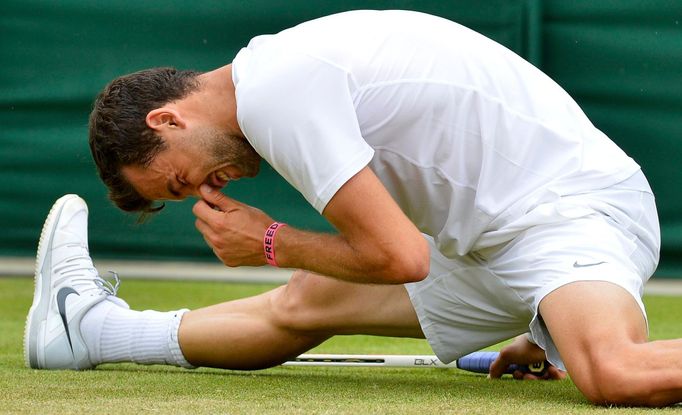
(66, 287)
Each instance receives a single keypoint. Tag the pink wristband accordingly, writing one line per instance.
(269, 242)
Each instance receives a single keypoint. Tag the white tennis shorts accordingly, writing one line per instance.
(471, 302)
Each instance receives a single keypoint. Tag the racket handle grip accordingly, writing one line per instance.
(479, 362)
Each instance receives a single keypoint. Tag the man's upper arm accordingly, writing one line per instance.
(367, 216)
(298, 113)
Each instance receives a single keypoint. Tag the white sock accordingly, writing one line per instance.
(114, 333)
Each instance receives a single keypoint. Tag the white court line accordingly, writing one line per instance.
(200, 271)
(213, 271)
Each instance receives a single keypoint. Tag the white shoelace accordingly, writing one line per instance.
(106, 285)
(80, 269)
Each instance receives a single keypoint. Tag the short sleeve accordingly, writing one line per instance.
(297, 112)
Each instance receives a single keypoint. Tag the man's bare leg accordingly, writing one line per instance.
(270, 328)
(601, 335)
(77, 321)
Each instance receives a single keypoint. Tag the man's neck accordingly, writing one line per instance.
(217, 93)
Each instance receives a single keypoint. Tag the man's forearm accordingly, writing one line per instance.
(333, 255)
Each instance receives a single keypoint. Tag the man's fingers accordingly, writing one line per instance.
(552, 374)
(202, 227)
(203, 210)
(556, 373)
(498, 367)
(215, 197)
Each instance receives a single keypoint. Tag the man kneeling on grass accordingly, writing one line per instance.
(474, 202)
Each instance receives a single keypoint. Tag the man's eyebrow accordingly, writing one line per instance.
(171, 190)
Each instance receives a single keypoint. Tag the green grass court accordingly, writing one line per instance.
(128, 388)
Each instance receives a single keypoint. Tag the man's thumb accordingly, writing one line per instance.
(213, 196)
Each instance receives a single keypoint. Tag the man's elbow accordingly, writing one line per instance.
(417, 270)
(409, 265)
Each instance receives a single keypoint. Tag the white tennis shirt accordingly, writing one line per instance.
(472, 142)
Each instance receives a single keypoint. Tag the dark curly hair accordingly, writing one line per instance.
(119, 135)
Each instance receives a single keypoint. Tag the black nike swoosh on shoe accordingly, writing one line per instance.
(62, 294)
(576, 265)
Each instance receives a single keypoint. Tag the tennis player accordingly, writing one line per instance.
(473, 199)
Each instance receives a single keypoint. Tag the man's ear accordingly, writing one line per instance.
(161, 118)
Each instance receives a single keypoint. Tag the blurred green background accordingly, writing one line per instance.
(621, 60)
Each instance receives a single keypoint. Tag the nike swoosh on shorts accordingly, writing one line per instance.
(576, 265)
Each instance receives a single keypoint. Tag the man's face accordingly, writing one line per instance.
(202, 156)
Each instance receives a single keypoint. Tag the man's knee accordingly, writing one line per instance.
(610, 380)
(294, 306)
(599, 328)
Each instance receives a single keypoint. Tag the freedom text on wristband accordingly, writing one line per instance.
(269, 242)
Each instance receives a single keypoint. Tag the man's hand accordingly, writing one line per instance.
(234, 231)
(523, 352)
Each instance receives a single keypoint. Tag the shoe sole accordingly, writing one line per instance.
(37, 315)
